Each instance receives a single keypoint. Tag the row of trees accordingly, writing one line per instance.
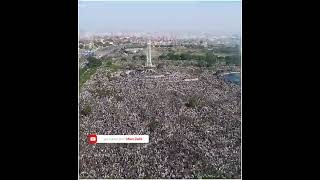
(181, 56)
(139, 57)
(206, 60)
(233, 60)
(227, 50)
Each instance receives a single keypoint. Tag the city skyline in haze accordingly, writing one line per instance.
(149, 16)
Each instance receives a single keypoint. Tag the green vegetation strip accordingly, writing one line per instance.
(92, 66)
(85, 74)
(110, 66)
(207, 59)
(87, 71)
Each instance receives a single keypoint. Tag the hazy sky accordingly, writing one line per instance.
(215, 17)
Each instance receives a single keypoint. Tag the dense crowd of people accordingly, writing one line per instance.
(193, 126)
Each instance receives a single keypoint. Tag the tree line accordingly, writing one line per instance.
(207, 60)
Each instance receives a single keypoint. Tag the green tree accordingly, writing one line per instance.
(171, 56)
(109, 63)
(135, 57)
(93, 62)
(143, 57)
(162, 56)
(233, 60)
(185, 56)
(210, 59)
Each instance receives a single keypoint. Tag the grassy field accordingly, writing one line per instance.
(86, 72)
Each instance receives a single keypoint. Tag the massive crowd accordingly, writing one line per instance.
(186, 141)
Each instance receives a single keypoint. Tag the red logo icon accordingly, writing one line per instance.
(92, 139)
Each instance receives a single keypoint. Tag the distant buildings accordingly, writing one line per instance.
(134, 40)
(204, 44)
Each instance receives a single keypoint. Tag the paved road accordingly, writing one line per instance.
(105, 51)
(108, 50)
